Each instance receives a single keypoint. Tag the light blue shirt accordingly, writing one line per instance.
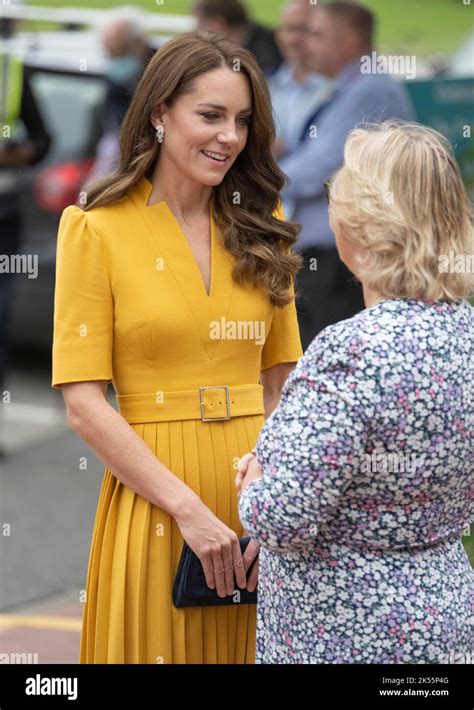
(357, 98)
(294, 103)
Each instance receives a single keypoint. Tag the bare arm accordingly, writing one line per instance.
(273, 380)
(120, 448)
(131, 460)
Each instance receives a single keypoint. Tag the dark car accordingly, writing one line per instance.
(71, 96)
(70, 101)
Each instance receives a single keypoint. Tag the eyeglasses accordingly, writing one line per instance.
(327, 186)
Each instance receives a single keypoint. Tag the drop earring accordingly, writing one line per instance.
(160, 131)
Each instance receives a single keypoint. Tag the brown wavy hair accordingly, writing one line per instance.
(260, 243)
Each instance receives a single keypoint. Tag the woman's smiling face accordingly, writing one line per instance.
(205, 131)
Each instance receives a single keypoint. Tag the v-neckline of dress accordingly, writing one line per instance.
(172, 245)
(163, 205)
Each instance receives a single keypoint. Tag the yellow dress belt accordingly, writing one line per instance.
(208, 403)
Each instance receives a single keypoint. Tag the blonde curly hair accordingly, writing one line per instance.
(400, 196)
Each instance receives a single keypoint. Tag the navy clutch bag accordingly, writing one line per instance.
(190, 587)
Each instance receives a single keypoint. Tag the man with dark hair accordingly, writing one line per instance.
(230, 17)
(339, 36)
(360, 19)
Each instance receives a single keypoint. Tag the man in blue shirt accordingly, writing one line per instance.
(339, 36)
(296, 91)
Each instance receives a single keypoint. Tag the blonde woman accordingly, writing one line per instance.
(362, 484)
(170, 256)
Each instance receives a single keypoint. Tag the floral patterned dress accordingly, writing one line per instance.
(368, 469)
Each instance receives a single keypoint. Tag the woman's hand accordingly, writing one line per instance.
(242, 467)
(249, 470)
(216, 545)
(253, 547)
(250, 554)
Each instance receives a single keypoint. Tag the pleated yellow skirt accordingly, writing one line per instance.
(129, 615)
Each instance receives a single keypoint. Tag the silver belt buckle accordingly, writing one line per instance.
(215, 419)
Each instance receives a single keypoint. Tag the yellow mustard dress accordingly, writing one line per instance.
(130, 306)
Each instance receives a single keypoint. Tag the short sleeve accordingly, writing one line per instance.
(83, 304)
(283, 343)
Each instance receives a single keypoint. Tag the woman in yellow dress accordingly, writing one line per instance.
(174, 280)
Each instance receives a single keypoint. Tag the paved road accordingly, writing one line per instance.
(47, 509)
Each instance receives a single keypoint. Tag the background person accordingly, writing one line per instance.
(230, 17)
(339, 34)
(295, 89)
(364, 563)
(128, 53)
(24, 141)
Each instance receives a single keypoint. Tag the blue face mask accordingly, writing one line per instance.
(121, 70)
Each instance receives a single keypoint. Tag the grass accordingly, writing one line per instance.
(469, 546)
(421, 27)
